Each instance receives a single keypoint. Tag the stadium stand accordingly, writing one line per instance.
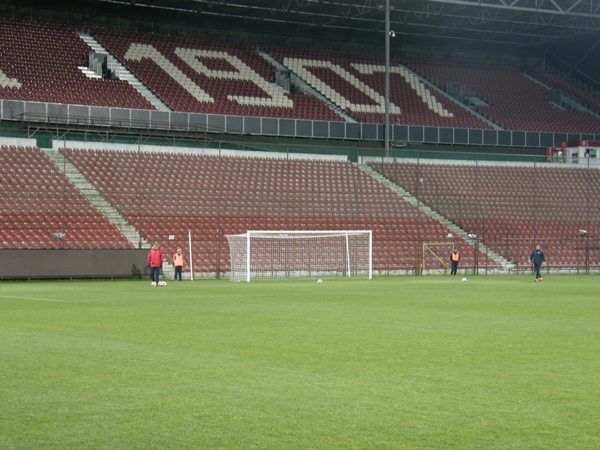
(192, 75)
(510, 207)
(37, 201)
(513, 101)
(39, 62)
(355, 83)
(213, 196)
(554, 81)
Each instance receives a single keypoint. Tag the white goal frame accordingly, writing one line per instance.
(240, 248)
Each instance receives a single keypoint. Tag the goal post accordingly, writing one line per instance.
(301, 254)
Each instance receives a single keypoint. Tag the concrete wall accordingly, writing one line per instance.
(72, 263)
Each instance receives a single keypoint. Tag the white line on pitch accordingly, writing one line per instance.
(41, 299)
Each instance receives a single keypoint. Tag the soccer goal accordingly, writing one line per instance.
(300, 254)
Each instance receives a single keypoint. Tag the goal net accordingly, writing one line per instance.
(300, 254)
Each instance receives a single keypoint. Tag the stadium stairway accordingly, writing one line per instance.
(405, 195)
(122, 73)
(414, 75)
(96, 199)
(573, 102)
(306, 88)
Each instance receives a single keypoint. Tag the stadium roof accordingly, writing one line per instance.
(514, 23)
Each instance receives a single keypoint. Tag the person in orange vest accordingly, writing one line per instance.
(178, 263)
(454, 259)
(155, 261)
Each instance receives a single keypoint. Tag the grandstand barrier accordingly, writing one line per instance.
(62, 263)
(96, 116)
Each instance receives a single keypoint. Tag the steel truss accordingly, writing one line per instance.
(504, 22)
(573, 8)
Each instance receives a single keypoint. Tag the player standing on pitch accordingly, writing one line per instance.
(537, 258)
(155, 261)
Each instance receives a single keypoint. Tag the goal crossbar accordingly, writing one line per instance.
(300, 254)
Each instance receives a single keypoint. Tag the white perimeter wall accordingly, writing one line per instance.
(18, 142)
(459, 162)
(191, 150)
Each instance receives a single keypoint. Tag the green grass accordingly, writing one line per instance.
(407, 362)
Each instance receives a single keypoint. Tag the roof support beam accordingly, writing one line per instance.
(573, 8)
(503, 22)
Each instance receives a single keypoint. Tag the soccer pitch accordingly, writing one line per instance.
(396, 362)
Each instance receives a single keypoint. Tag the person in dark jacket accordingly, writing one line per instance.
(537, 258)
(454, 260)
(155, 261)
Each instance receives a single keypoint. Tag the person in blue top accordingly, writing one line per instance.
(537, 258)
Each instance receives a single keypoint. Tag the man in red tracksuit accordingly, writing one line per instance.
(155, 261)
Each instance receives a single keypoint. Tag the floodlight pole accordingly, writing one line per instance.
(387, 78)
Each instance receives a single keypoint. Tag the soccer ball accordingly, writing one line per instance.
(464, 280)
(162, 283)
(319, 281)
(153, 284)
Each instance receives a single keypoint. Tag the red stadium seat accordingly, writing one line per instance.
(256, 193)
(40, 201)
